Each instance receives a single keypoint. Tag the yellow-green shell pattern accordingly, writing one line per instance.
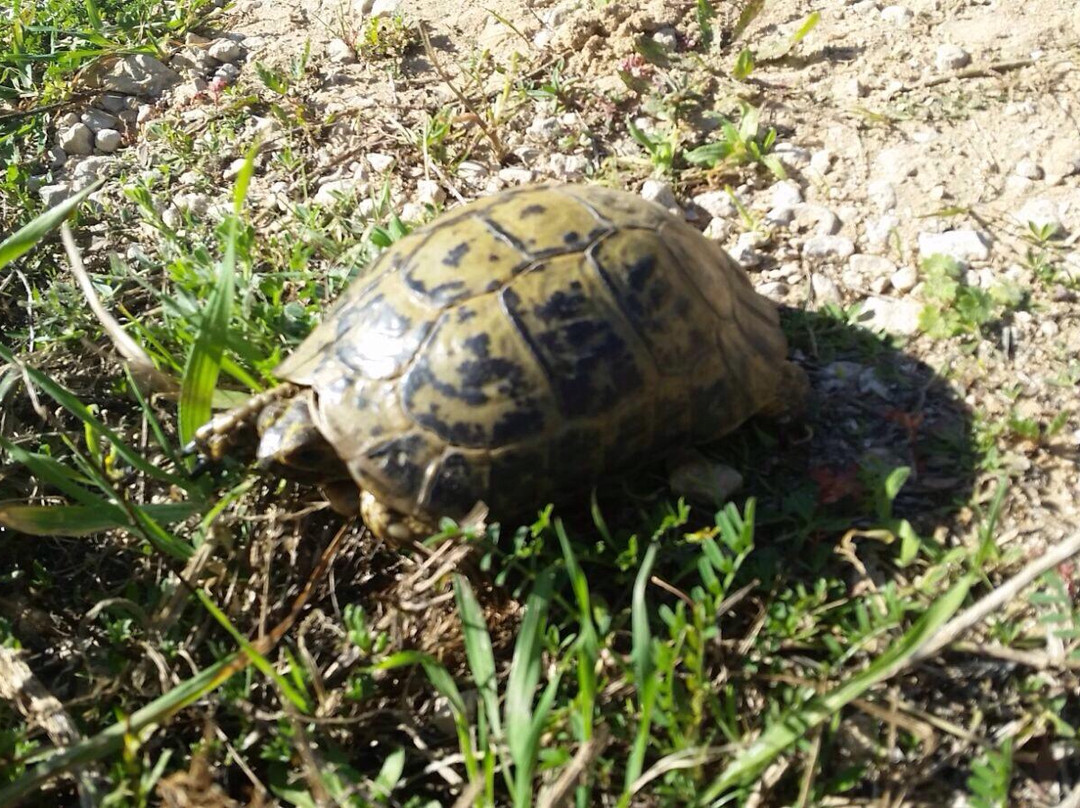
(522, 346)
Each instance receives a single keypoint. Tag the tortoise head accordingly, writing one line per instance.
(291, 444)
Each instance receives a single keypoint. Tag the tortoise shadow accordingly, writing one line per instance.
(874, 410)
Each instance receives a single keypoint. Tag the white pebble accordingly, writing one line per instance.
(430, 192)
(1028, 169)
(963, 245)
(900, 16)
(904, 279)
(339, 52)
(828, 248)
(76, 139)
(107, 140)
(660, 193)
(825, 289)
(225, 50)
(513, 175)
(781, 217)
(1042, 213)
(890, 315)
(821, 161)
(786, 194)
(872, 266)
(380, 163)
(717, 204)
(882, 195)
(951, 57)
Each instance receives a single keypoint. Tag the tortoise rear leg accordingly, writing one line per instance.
(393, 527)
(694, 476)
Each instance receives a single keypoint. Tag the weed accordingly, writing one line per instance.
(740, 145)
(954, 308)
(990, 778)
(385, 38)
(661, 148)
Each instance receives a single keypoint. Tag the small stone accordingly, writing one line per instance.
(57, 157)
(191, 38)
(823, 220)
(52, 195)
(138, 74)
(112, 102)
(825, 289)
(900, 16)
(234, 169)
(193, 60)
(430, 192)
(660, 193)
(513, 175)
(89, 170)
(904, 279)
(1043, 215)
(786, 194)
(172, 218)
(718, 229)
(144, 113)
(879, 231)
(472, 171)
(412, 212)
(891, 315)
(781, 217)
(1048, 328)
(339, 52)
(1028, 169)
(333, 190)
(107, 140)
(841, 374)
(544, 128)
(380, 163)
(774, 290)
(76, 139)
(717, 204)
(821, 161)
(667, 38)
(194, 203)
(791, 155)
(882, 195)
(67, 120)
(963, 245)
(568, 166)
(951, 57)
(228, 73)
(871, 266)
(828, 248)
(225, 50)
(848, 88)
(384, 8)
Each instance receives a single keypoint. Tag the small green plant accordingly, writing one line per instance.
(740, 145)
(662, 148)
(954, 308)
(385, 38)
(990, 778)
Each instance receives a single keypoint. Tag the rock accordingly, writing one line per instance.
(225, 51)
(472, 171)
(879, 231)
(112, 102)
(380, 163)
(848, 89)
(107, 140)
(412, 212)
(871, 266)
(138, 74)
(339, 52)
(781, 217)
(57, 157)
(234, 169)
(513, 175)
(76, 139)
(791, 155)
(900, 16)
(660, 193)
(963, 245)
(333, 190)
(172, 218)
(774, 290)
(1028, 169)
(228, 73)
(1043, 214)
(66, 120)
(384, 8)
(52, 195)
(904, 279)
(823, 220)
(890, 315)
(568, 166)
(717, 204)
(430, 192)
(744, 251)
(882, 195)
(718, 229)
(821, 249)
(825, 289)
(89, 170)
(896, 163)
(192, 202)
(821, 161)
(544, 128)
(786, 194)
(193, 60)
(951, 57)
(667, 38)
(144, 113)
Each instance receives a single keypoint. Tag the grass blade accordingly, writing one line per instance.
(82, 520)
(644, 665)
(788, 730)
(478, 650)
(24, 239)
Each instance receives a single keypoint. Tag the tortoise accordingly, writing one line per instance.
(513, 352)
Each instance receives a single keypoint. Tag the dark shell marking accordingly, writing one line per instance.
(527, 343)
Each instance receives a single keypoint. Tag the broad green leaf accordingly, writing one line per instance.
(478, 650)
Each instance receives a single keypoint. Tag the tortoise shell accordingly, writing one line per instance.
(522, 346)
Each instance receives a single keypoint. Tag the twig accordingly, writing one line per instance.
(496, 144)
(142, 367)
(568, 780)
(19, 686)
(978, 71)
(1033, 659)
(972, 616)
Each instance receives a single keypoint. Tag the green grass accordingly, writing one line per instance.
(639, 651)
